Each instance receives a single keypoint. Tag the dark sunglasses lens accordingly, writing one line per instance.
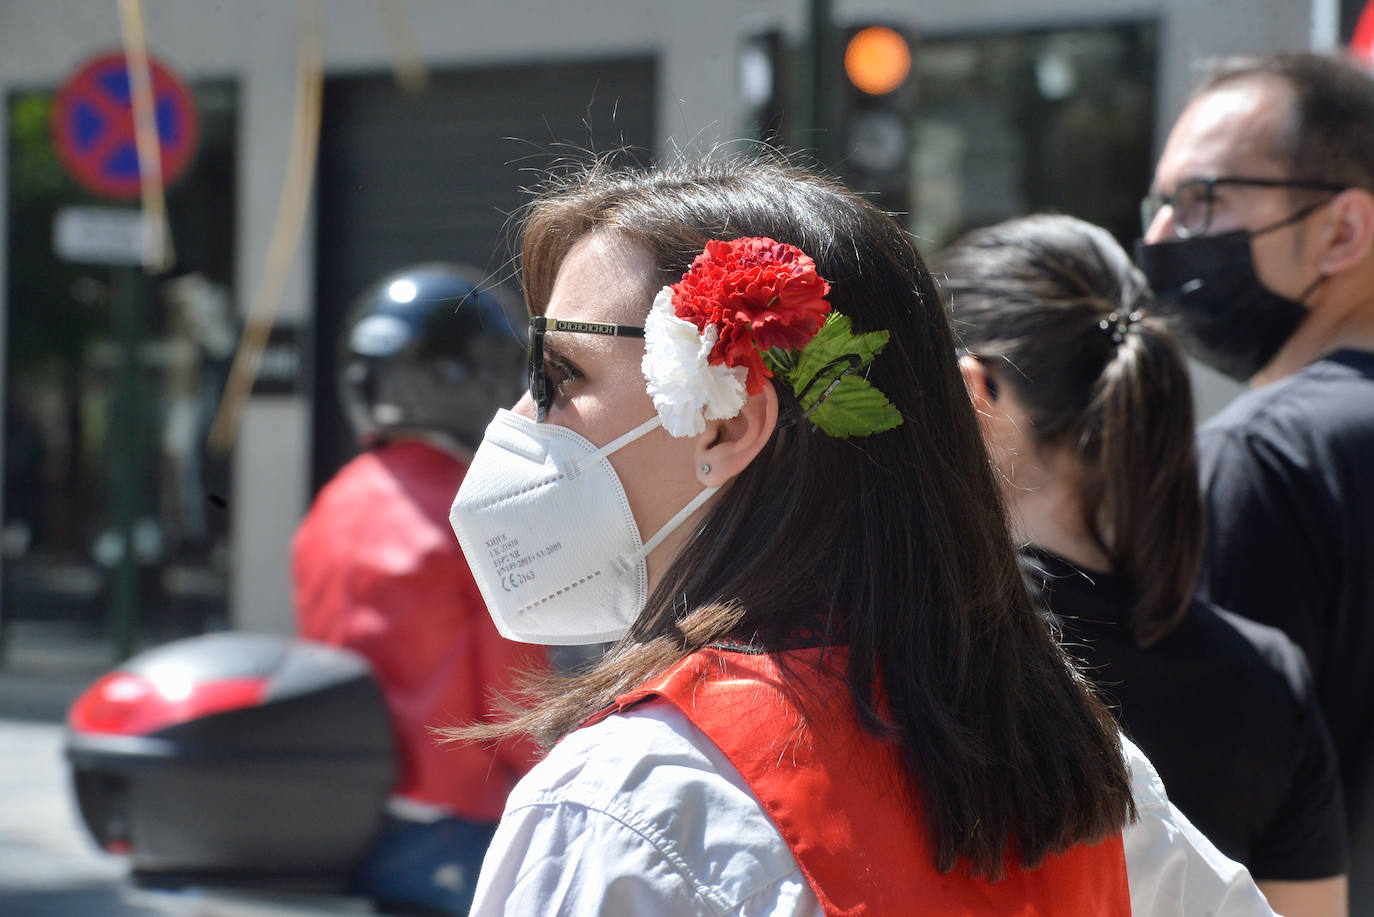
(538, 381)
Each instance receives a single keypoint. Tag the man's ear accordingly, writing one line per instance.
(728, 446)
(982, 387)
(1350, 231)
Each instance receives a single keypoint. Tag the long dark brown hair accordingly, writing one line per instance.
(893, 545)
(1055, 311)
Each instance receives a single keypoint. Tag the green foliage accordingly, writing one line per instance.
(35, 168)
(841, 403)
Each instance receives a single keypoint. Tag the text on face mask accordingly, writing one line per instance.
(511, 563)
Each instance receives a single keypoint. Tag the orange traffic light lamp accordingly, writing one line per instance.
(877, 60)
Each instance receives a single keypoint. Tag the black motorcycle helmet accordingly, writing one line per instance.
(431, 350)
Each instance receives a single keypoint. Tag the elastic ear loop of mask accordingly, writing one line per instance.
(623, 564)
(575, 468)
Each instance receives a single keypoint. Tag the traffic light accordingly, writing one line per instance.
(876, 101)
(877, 59)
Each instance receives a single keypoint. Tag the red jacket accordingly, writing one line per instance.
(377, 569)
(836, 796)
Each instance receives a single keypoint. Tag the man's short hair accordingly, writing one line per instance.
(1331, 135)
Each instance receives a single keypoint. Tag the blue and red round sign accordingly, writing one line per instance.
(93, 126)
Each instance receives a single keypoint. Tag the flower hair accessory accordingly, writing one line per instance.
(749, 310)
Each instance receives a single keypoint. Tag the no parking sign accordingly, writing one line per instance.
(93, 125)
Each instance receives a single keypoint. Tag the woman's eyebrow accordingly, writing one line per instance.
(558, 350)
(571, 345)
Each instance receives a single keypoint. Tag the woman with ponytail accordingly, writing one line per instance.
(1086, 407)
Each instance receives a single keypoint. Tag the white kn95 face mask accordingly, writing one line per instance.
(547, 530)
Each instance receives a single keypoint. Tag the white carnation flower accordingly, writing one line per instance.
(687, 390)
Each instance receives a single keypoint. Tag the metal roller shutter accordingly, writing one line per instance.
(435, 176)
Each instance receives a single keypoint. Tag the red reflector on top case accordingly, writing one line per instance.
(121, 703)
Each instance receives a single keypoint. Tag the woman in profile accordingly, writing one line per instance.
(1086, 406)
(747, 455)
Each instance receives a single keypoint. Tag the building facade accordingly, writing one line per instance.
(513, 88)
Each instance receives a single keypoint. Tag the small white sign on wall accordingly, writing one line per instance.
(101, 235)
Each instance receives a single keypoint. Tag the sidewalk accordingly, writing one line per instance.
(48, 865)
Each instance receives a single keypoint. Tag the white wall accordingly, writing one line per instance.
(41, 41)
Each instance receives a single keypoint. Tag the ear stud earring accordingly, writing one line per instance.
(705, 469)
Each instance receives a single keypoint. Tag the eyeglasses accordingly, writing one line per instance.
(541, 389)
(1192, 200)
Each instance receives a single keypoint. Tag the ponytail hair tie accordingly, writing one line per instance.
(1117, 325)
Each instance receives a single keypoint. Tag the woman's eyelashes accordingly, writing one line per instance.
(561, 374)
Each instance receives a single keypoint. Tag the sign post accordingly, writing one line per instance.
(97, 142)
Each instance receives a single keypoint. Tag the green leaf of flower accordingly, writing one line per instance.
(853, 408)
(832, 342)
(780, 361)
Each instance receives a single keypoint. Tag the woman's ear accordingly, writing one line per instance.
(1003, 422)
(728, 446)
(982, 387)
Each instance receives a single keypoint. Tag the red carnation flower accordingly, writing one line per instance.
(760, 293)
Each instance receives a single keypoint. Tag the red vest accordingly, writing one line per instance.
(834, 793)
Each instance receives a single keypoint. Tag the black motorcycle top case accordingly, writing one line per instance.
(242, 758)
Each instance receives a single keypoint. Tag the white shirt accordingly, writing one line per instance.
(641, 814)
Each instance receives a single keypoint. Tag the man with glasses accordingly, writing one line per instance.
(1259, 241)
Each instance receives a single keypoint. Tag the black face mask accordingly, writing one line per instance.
(1207, 289)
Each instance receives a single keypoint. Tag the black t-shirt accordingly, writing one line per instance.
(1288, 480)
(1224, 709)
